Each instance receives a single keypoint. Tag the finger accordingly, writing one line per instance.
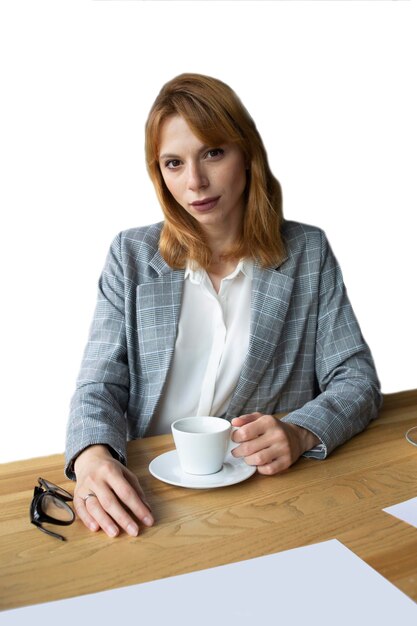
(265, 426)
(96, 510)
(84, 516)
(248, 429)
(134, 481)
(262, 442)
(245, 419)
(122, 500)
(255, 431)
(265, 456)
(131, 494)
(254, 452)
(275, 467)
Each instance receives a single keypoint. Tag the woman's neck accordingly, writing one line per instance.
(219, 268)
(220, 241)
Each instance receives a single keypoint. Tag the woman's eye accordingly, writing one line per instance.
(215, 152)
(172, 164)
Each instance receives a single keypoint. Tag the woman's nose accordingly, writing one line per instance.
(197, 178)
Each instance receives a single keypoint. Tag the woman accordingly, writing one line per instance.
(223, 309)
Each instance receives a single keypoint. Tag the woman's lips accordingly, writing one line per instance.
(206, 204)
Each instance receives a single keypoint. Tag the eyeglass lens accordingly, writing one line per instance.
(411, 435)
(56, 508)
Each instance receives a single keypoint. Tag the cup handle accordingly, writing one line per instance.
(232, 444)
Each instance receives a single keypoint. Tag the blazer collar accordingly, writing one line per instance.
(159, 264)
(158, 310)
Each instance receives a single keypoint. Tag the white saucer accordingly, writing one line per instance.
(166, 467)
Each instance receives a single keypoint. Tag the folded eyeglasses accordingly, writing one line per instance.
(50, 505)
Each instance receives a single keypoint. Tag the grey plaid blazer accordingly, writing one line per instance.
(306, 353)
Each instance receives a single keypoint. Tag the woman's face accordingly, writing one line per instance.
(207, 181)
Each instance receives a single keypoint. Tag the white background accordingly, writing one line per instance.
(331, 86)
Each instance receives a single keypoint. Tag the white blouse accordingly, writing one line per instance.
(211, 344)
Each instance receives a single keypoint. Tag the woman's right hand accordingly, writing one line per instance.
(117, 499)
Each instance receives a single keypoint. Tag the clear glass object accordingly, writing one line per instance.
(411, 435)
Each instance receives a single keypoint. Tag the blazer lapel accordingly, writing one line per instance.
(271, 293)
(158, 309)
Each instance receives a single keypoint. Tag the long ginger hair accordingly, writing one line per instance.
(216, 115)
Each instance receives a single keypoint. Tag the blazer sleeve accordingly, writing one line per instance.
(98, 406)
(349, 390)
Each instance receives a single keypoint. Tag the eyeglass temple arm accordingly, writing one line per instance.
(48, 532)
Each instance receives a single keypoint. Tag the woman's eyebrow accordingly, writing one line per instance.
(166, 155)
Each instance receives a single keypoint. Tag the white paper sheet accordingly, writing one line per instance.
(323, 584)
(406, 511)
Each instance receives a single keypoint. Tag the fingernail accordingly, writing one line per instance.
(148, 521)
(113, 531)
(132, 530)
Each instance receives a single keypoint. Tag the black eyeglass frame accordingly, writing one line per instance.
(37, 515)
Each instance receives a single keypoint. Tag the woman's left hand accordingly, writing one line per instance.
(270, 444)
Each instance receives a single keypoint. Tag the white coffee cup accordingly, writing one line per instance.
(202, 443)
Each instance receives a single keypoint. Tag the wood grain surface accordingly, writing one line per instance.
(341, 497)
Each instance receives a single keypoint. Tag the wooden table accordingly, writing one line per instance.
(341, 497)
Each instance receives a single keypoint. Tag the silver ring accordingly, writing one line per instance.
(89, 495)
